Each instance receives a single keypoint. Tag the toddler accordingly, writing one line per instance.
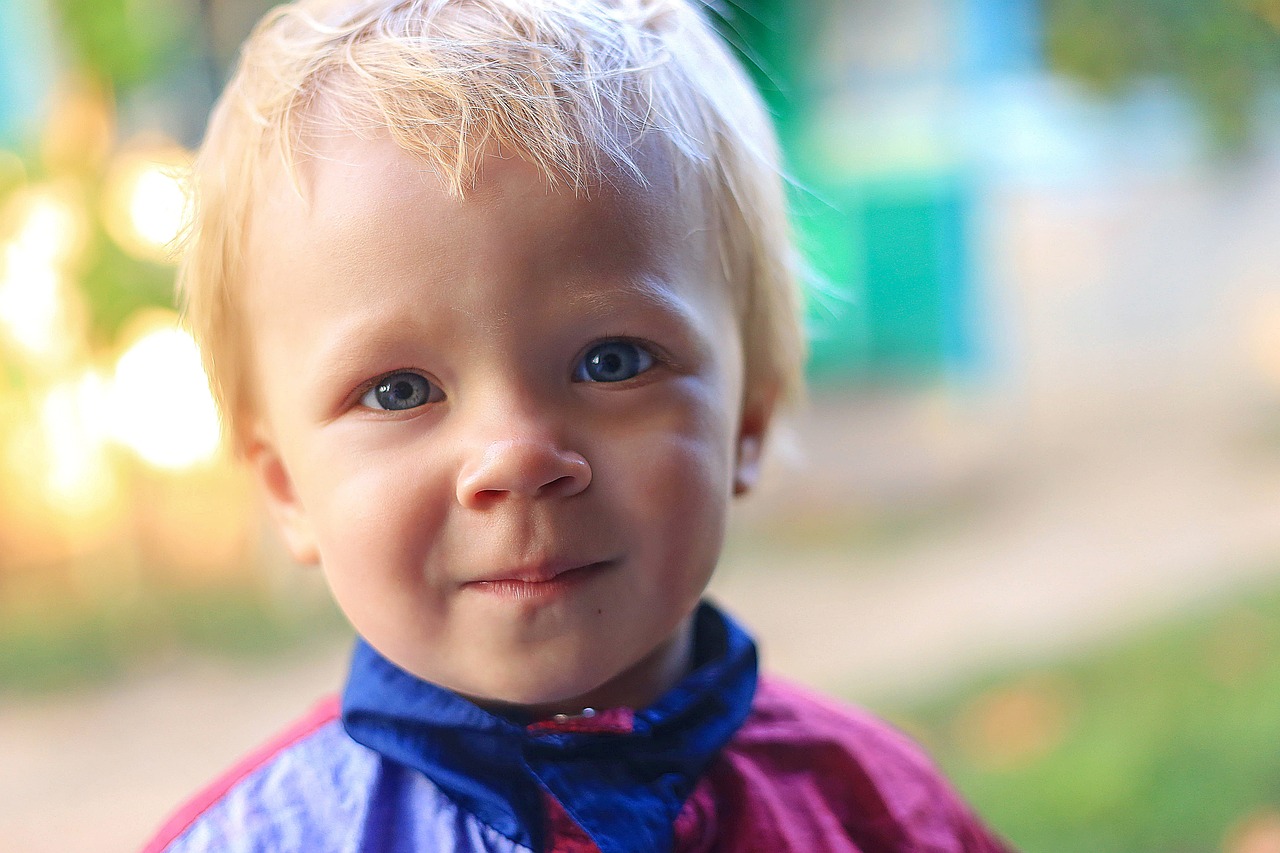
(497, 298)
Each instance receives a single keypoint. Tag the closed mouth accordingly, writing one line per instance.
(537, 581)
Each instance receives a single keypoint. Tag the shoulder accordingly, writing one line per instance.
(292, 774)
(314, 789)
(788, 717)
(806, 754)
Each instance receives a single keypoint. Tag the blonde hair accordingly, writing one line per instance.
(569, 85)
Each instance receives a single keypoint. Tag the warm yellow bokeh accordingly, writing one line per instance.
(78, 477)
(159, 401)
(43, 232)
(80, 127)
(145, 199)
(64, 493)
(122, 452)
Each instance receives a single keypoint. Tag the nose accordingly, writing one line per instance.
(524, 466)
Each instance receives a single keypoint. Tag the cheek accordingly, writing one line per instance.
(687, 468)
(680, 440)
(690, 500)
(678, 478)
(378, 527)
(371, 513)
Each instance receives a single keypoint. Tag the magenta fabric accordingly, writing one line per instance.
(805, 773)
(790, 772)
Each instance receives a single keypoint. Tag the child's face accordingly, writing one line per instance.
(508, 427)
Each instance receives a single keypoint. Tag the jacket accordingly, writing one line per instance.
(723, 762)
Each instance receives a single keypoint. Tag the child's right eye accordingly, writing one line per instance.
(401, 391)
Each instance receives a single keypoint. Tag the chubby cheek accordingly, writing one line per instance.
(375, 524)
(681, 474)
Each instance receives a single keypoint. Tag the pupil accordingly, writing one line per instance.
(612, 362)
(402, 390)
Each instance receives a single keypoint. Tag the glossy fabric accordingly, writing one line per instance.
(622, 777)
(715, 765)
(327, 794)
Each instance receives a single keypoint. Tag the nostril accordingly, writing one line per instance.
(565, 483)
(486, 497)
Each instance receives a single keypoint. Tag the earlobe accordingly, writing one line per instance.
(757, 412)
(747, 472)
(286, 511)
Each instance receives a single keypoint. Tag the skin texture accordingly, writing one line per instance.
(525, 537)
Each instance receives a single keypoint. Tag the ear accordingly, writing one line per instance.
(286, 511)
(757, 413)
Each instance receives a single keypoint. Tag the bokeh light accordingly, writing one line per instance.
(1011, 726)
(46, 229)
(161, 408)
(78, 476)
(80, 127)
(145, 200)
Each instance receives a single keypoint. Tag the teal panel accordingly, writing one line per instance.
(905, 239)
(892, 257)
(891, 295)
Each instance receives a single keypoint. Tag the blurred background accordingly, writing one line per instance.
(1031, 513)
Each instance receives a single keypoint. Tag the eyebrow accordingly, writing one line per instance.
(349, 346)
(645, 289)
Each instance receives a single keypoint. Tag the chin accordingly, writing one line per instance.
(566, 695)
(560, 689)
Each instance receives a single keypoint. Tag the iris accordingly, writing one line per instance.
(613, 361)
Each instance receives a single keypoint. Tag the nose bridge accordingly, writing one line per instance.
(517, 448)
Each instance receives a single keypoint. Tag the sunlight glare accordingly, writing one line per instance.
(48, 233)
(29, 303)
(49, 229)
(157, 206)
(146, 203)
(78, 478)
(161, 406)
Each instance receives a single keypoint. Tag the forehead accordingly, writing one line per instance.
(361, 207)
(345, 181)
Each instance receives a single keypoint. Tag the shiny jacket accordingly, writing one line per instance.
(722, 762)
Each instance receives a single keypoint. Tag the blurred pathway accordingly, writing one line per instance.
(97, 771)
(1059, 554)
(1066, 550)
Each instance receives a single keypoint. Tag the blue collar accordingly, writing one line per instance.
(623, 785)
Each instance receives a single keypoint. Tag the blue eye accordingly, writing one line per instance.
(401, 391)
(613, 361)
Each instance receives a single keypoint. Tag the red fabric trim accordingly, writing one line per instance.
(615, 721)
(325, 712)
(563, 833)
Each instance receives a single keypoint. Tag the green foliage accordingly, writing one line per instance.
(116, 286)
(1166, 741)
(1225, 53)
(44, 648)
(127, 41)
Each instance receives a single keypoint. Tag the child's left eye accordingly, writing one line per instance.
(613, 361)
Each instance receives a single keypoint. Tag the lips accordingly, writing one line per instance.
(537, 580)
